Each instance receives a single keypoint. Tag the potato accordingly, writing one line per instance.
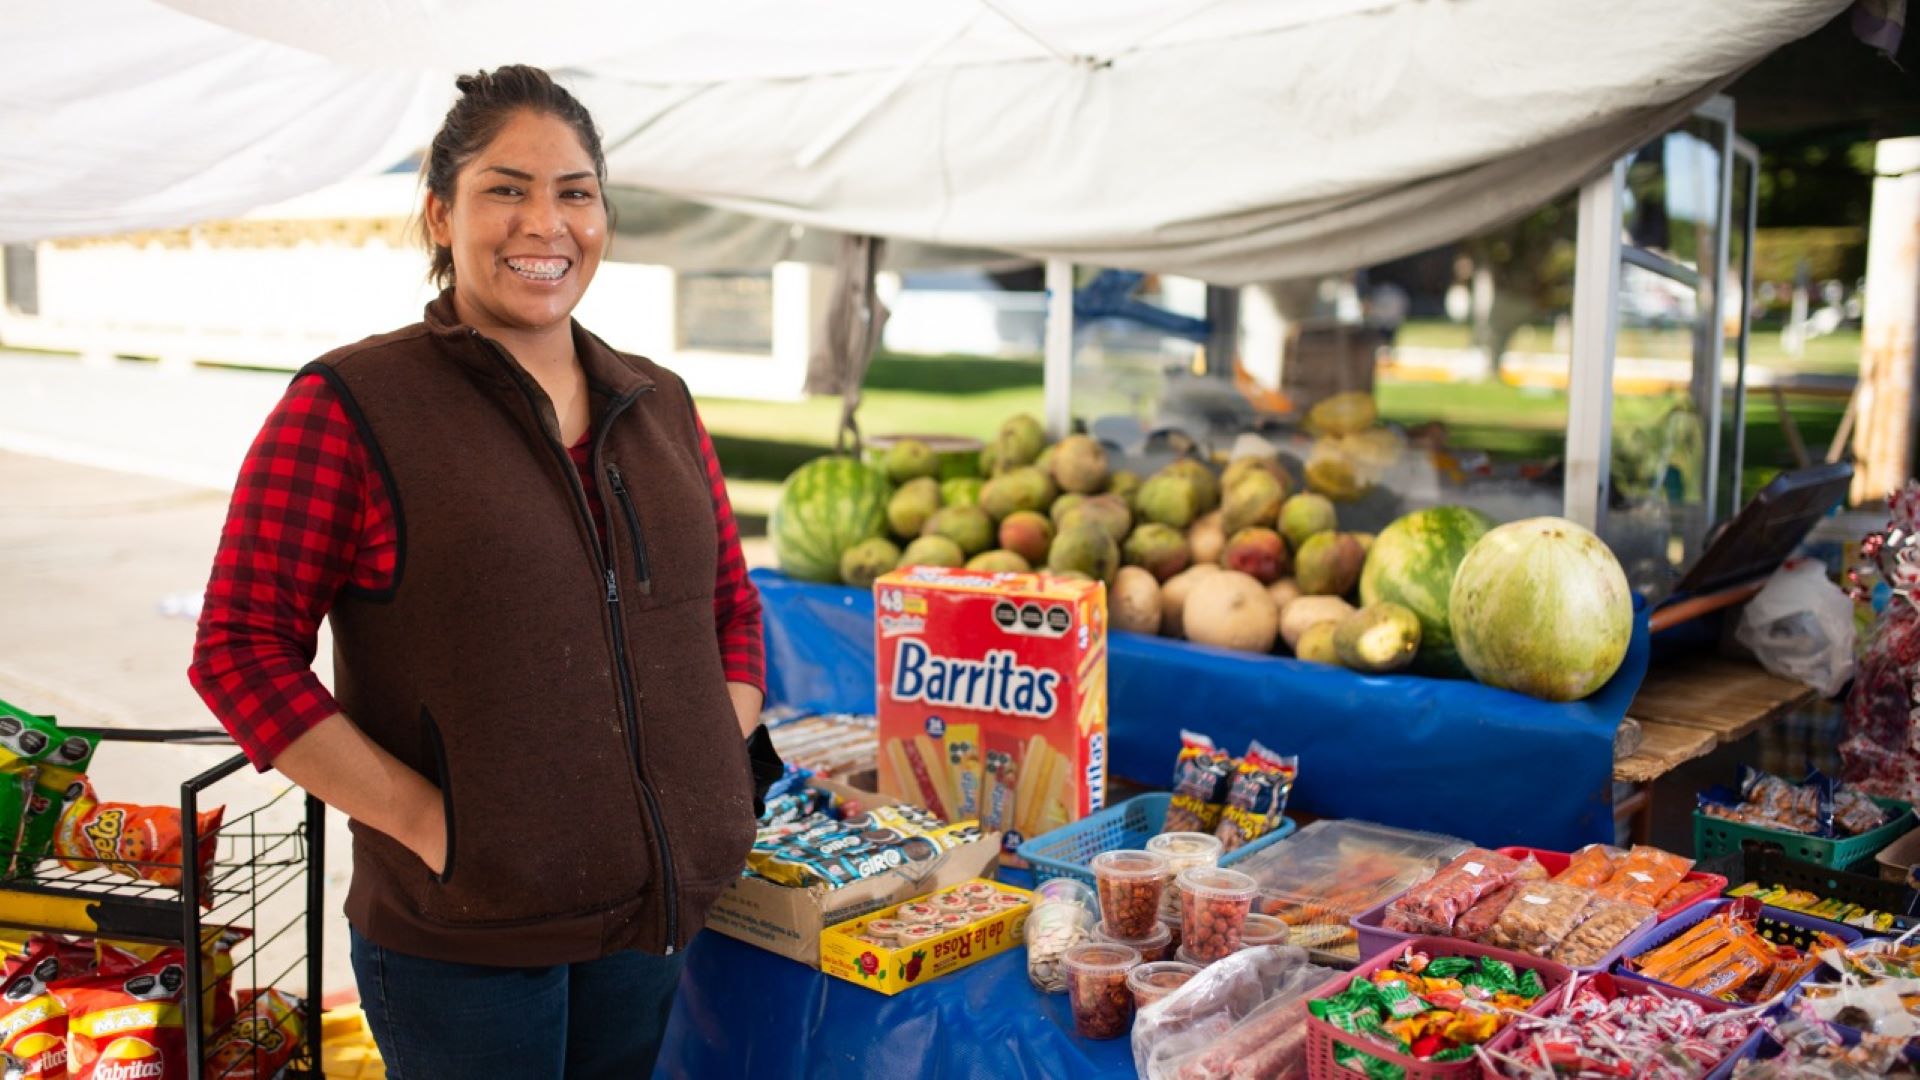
(1173, 596)
(1303, 614)
(1134, 602)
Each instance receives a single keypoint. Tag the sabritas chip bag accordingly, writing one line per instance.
(137, 841)
(33, 1024)
(127, 1025)
(216, 968)
(58, 779)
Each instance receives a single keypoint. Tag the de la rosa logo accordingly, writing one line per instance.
(998, 683)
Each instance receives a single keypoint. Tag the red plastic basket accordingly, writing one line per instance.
(1555, 861)
(1322, 1037)
(1612, 986)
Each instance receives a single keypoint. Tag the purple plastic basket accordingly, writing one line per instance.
(1376, 938)
(1627, 985)
(1776, 924)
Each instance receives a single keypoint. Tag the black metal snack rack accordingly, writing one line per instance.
(264, 878)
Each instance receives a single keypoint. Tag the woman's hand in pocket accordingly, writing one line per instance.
(428, 838)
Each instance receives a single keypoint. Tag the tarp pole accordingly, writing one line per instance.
(1710, 342)
(1596, 310)
(1883, 434)
(1058, 371)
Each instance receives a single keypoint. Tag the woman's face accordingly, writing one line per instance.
(526, 226)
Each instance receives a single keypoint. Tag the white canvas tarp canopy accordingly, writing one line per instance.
(1234, 140)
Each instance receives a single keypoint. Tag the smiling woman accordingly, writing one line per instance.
(518, 535)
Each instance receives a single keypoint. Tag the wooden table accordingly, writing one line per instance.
(1689, 708)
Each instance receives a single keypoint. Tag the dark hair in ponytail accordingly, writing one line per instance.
(488, 99)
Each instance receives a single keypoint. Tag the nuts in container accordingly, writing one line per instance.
(1052, 929)
(1214, 903)
(1130, 884)
(1097, 988)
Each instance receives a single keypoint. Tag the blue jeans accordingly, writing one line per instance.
(435, 1020)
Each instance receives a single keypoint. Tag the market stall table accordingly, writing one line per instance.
(1686, 710)
(1399, 749)
(743, 1012)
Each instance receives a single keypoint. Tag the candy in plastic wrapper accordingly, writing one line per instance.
(1539, 917)
(1603, 925)
(1256, 800)
(1644, 876)
(1442, 899)
(1202, 776)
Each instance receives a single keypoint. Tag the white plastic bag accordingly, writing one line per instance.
(1800, 627)
(1243, 1018)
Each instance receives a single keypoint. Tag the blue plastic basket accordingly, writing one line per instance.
(1777, 925)
(1067, 850)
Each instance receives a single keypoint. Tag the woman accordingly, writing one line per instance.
(547, 652)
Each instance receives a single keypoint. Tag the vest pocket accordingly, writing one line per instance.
(622, 496)
(444, 777)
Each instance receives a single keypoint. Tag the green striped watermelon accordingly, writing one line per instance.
(1412, 563)
(826, 506)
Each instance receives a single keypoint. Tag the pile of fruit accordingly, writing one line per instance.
(1239, 558)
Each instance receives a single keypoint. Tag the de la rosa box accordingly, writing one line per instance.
(992, 696)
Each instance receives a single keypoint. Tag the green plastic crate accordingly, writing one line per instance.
(1714, 837)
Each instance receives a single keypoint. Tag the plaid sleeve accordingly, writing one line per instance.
(736, 603)
(304, 501)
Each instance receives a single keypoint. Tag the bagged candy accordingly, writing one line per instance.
(1883, 720)
(1257, 797)
(1604, 924)
(1644, 876)
(1539, 918)
(1202, 777)
(142, 842)
(1440, 900)
(127, 1024)
(57, 779)
(1591, 866)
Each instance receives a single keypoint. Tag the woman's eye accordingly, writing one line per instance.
(581, 196)
(503, 189)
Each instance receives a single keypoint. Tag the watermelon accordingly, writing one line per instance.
(827, 506)
(1542, 607)
(1412, 563)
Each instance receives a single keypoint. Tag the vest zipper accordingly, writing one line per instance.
(629, 707)
(640, 567)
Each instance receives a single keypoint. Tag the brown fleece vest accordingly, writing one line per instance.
(587, 812)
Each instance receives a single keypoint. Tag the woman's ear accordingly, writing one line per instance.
(438, 220)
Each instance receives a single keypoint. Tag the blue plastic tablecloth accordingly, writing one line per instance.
(745, 1012)
(1444, 755)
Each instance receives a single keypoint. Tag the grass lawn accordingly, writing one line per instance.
(759, 443)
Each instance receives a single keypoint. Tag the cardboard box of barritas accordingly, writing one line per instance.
(992, 697)
(788, 920)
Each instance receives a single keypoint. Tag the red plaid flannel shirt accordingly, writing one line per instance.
(310, 515)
